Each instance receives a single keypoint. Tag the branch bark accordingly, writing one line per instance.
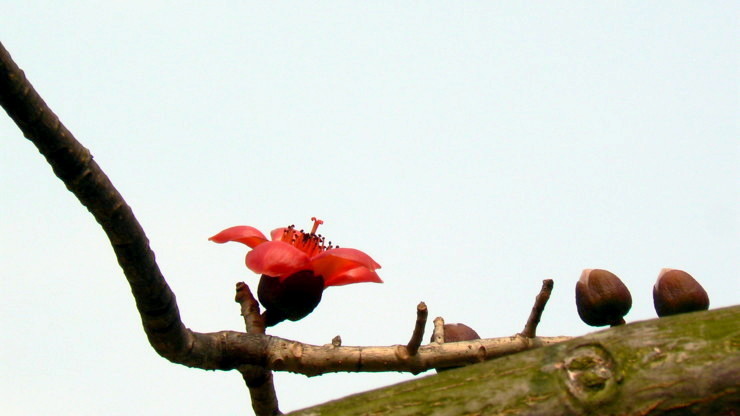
(74, 165)
(530, 328)
(679, 365)
(421, 321)
(259, 380)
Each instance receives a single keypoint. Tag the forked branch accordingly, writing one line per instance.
(258, 379)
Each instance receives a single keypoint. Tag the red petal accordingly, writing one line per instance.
(334, 264)
(277, 259)
(241, 233)
(277, 233)
(356, 275)
(355, 255)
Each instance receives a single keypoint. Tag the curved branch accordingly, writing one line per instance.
(421, 320)
(530, 328)
(74, 165)
(155, 301)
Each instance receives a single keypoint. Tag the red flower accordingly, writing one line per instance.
(291, 251)
(296, 266)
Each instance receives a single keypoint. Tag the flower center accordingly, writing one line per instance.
(310, 243)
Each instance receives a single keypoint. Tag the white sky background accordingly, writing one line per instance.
(472, 149)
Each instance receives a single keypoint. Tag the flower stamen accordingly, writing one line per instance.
(316, 223)
(310, 243)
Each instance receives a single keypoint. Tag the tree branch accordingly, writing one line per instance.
(258, 379)
(700, 386)
(74, 165)
(312, 360)
(438, 336)
(421, 321)
(530, 329)
(679, 365)
(155, 301)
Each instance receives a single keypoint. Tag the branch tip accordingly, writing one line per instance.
(416, 337)
(530, 328)
(438, 336)
(336, 341)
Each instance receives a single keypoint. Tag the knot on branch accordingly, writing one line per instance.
(591, 375)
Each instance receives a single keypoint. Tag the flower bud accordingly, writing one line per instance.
(601, 298)
(459, 332)
(455, 333)
(677, 292)
(291, 298)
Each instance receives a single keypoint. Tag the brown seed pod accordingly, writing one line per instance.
(459, 332)
(676, 291)
(601, 298)
(455, 333)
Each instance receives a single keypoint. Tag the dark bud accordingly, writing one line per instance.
(677, 292)
(459, 332)
(601, 298)
(292, 298)
(455, 333)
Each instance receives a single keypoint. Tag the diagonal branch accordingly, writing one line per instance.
(421, 320)
(684, 364)
(74, 165)
(530, 328)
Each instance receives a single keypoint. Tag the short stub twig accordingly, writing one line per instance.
(421, 321)
(438, 336)
(530, 329)
(250, 309)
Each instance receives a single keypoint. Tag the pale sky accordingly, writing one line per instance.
(472, 148)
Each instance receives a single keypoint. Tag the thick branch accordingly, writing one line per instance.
(236, 349)
(74, 165)
(679, 365)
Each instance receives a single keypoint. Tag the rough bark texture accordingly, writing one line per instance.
(681, 365)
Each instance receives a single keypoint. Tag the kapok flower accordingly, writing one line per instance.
(297, 266)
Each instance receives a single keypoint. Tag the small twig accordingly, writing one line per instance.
(250, 309)
(438, 336)
(530, 329)
(421, 321)
(258, 379)
(336, 341)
